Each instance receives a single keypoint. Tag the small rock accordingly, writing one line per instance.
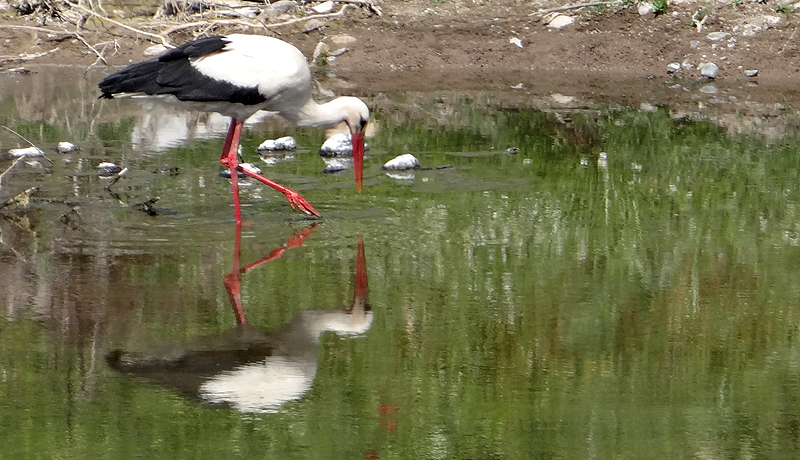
(322, 50)
(280, 7)
(708, 70)
(673, 67)
(646, 8)
(751, 73)
(248, 166)
(647, 107)
(341, 40)
(561, 99)
(694, 44)
(709, 89)
(324, 7)
(771, 21)
(109, 169)
(512, 150)
(717, 36)
(515, 41)
(66, 147)
(31, 151)
(687, 64)
(281, 144)
(338, 145)
(155, 50)
(517, 86)
(401, 163)
(312, 25)
(560, 21)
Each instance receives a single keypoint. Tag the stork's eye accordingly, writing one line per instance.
(363, 123)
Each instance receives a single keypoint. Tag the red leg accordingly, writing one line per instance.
(230, 158)
(295, 200)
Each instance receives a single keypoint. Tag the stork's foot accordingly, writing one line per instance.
(298, 202)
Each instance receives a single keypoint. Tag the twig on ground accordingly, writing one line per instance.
(25, 57)
(99, 56)
(233, 22)
(14, 163)
(35, 29)
(571, 7)
(161, 38)
(368, 3)
(791, 37)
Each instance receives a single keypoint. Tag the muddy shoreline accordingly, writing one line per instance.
(614, 56)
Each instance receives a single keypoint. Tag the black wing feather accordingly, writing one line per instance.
(173, 73)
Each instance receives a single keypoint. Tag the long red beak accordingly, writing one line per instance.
(358, 158)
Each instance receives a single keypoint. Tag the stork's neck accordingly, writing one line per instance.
(313, 115)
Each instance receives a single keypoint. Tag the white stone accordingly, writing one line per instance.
(282, 144)
(155, 50)
(66, 147)
(560, 21)
(561, 99)
(515, 41)
(322, 8)
(673, 67)
(31, 151)
(717, 36)
(401, 163)
(646, 8)
(708, 69)
(771, 20)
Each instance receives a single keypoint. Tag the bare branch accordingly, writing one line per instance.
(160, 38)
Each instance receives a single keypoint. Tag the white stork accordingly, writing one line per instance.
(238, 75)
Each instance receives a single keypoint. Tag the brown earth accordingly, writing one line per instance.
(611, 56)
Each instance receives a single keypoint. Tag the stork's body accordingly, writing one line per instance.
(238, 75)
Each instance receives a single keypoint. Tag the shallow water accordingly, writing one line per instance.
(546, 304)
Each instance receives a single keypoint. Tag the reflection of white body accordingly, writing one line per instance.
(266, 385)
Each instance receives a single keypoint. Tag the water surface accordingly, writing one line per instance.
(556, 303)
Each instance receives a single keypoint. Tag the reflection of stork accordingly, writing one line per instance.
(245, 368)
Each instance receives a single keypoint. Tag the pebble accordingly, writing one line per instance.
(515, 41)
(31, 151)
(278, 145)
(313, 25)
(338, 145)
(324, 7)
(66, 147)
(717, 36)
(109, 169)
(694, 44)
(673, 67)
(709, 70)
(751, 73)
(401, 163)
(709, 89)
(646, 8)
(560, 21)
(248, 166)
(561, 99)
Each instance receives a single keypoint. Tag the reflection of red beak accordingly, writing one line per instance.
(358, 158)
(361, 293)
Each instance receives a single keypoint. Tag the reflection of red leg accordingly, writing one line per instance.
(230, 158)
(361, 292)
(233, 282)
